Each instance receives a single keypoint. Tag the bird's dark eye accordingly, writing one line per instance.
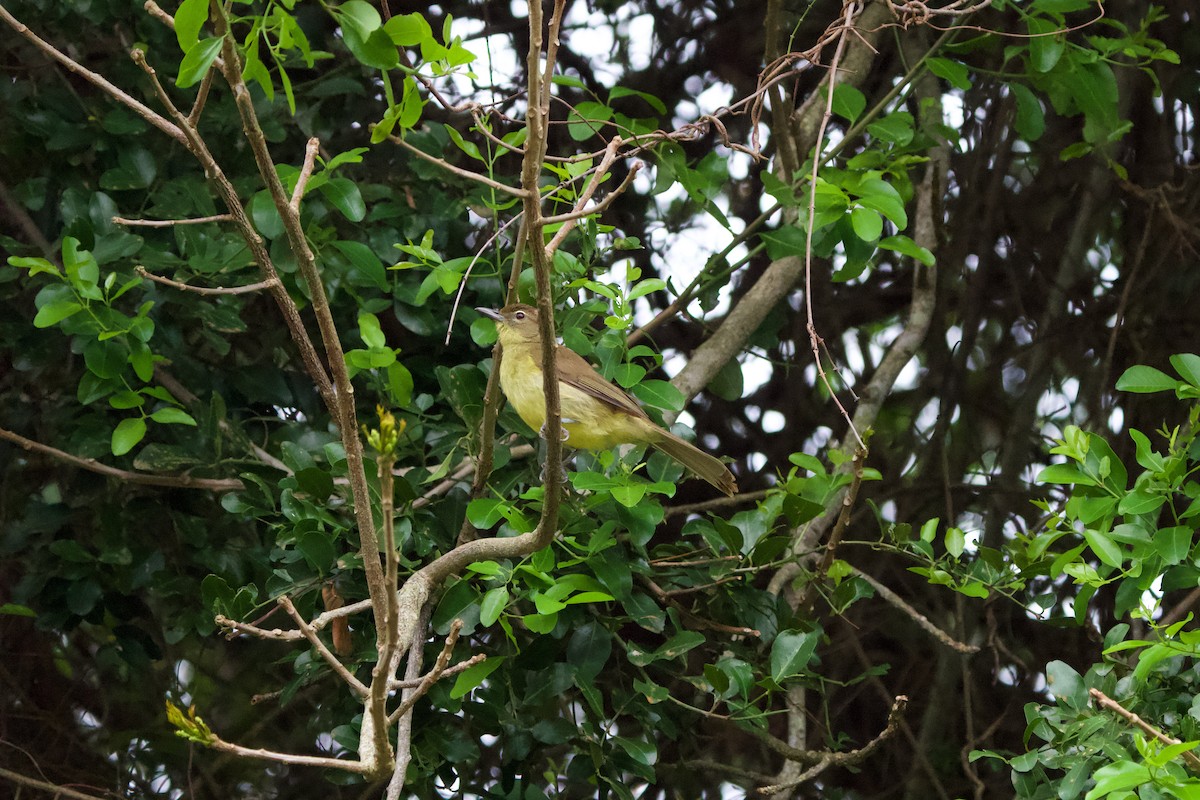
(519, 315)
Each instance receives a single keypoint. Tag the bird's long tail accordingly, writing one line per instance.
(705, 466)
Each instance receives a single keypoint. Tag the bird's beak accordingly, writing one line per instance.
(491, 313)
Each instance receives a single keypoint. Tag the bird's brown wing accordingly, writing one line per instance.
(574, 370)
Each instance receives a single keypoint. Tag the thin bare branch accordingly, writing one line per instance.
(459, 171)
(849, 757)
(143, 111)
(209, 291)
(45, 786)
(916, 616)
(435, 674)
(338, 667)
(167, 223)
(1104, 701)
(140, 478)
(306, 171)
(289, 758)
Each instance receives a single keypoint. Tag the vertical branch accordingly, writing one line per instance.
(342, 409)
(531, 168)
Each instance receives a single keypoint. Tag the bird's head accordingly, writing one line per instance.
(514, 322)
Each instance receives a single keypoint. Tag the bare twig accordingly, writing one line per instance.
(739, 499)
(167, 223)
(849, 757)
(338, 667)
(45, 786)
(1104, 701)
(143, 111)
(209, 291)
(141, 478)
(435, 674)
(916, 616)
(289, 758)
(306, 171)
(459, 171)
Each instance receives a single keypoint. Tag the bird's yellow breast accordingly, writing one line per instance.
(591, 424)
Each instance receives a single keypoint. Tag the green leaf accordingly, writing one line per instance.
(474, 675)
(484, 512)
(400, 385)
(645, 287)
(127, 434)
(906, 246)
(493, 605)
(364, 35)
(265, 216)
(1104, 547)
(53, 313)
(1064, 473)
(1145, 380)
(1067, 684)
(366, 268)
(1046, 46)
(587, 119)
(197, 60)
(189, 19)
(1116, 777)
(126, 399)
(951, 71)
(652, 101)
(408, 30)
(35, 266)
(867, 224)
(105, 359)
(1030, 121)
(955, 542)
(880, 195)
(896, 128)
(629, 495)
(1188, 367)
(344, 195)
(791, 653)
(1174, 543)
(16, 610)
(172, 416)
(643, 752)
(369, 330)
(318, 550)
(660, 394)
(848, 102)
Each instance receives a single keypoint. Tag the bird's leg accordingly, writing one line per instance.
(564, 434)
(562, 465)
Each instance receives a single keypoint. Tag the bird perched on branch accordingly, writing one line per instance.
(595, 414)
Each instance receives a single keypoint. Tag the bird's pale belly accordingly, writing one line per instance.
(590, 423)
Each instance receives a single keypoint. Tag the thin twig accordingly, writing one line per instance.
(167, 223)
(45, 786)
(916, 616)
(338, 667)
(141, 478)
(847, 758)
(742, 498)
(143, 111)
(306, 171)
(1104, 701)
(202, 290)
(288, 758)
(459, 171)
(851, 9)
(439, 667)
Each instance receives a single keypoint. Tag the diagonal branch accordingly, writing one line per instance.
(142, 110)
(140, 478)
